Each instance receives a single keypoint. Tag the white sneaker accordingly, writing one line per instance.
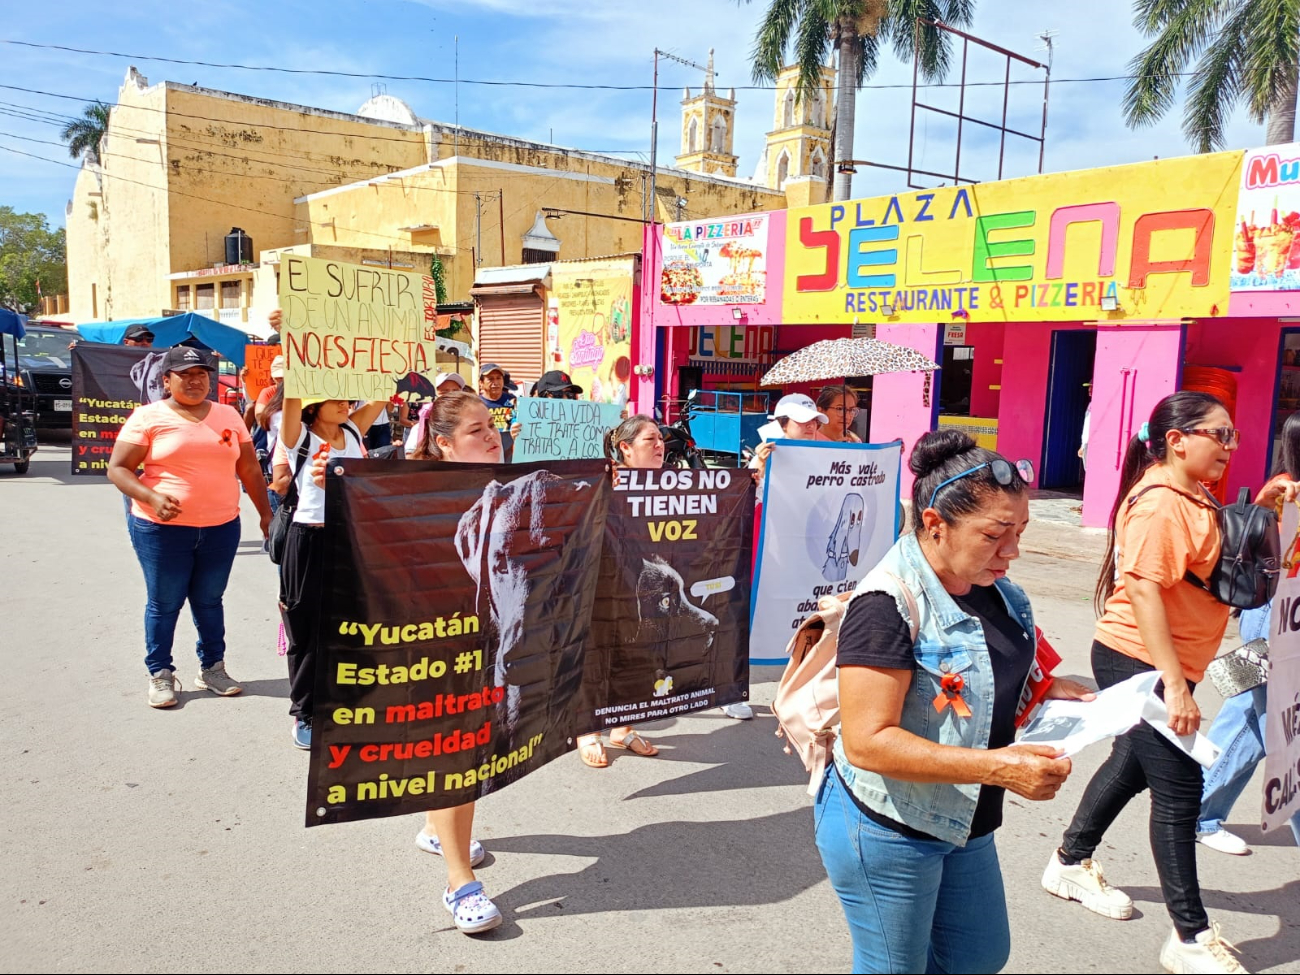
(1210, 954)
(1084, 883)
(1224, 842)
(741, 711)
(430, 844)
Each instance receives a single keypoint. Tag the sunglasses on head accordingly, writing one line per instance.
(1002, 472)
(1226, 436)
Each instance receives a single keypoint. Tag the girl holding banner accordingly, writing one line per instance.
(457, 428)
(637, 442)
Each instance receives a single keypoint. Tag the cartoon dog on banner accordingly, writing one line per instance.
(678, 634)
(501, 540)
(845, 543)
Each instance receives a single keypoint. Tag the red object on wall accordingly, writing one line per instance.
(1223, 384)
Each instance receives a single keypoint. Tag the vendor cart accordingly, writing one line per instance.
(17, 402)
(725, 422)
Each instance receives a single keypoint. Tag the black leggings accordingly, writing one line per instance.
(302, 575)
(1140, 759)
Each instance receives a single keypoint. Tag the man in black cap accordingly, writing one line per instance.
(556, 385)
(500, 403)
(138, 336)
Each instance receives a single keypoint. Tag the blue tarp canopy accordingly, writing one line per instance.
(12, 323)
(173, 330)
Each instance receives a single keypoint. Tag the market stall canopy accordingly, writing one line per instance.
(840, 358)
(12, 323)
(173, 330)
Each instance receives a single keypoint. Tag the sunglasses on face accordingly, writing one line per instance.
(1001, 470)
(1226, 436)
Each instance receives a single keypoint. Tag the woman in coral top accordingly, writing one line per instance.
(1163, 526)
(184, 519)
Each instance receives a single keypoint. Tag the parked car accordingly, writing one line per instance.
(45, 366)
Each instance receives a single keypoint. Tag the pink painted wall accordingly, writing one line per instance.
(988, 340)
(898, 410)
(1263, 304)
(1251, 344)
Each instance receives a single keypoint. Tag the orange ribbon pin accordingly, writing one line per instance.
(952, 685)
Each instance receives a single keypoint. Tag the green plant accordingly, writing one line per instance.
(439, 275)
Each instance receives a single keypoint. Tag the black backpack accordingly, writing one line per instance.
(1250, 554)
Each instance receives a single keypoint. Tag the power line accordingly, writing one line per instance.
(522, 84)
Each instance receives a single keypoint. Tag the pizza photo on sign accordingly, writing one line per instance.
(680, 283)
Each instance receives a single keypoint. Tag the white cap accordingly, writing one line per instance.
(444, 377)
(277, 367)
(799, 408)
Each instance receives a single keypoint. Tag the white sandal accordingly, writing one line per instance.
(472, 910)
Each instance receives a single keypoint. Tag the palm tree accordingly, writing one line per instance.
(84, 134)
(1244, 50)
(854, 29)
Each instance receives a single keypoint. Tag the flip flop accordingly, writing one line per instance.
(584, 752)
(631, 743)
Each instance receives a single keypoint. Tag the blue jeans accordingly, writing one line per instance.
(181, 563)
(1239, 731)
(273, 498)
(912, 905)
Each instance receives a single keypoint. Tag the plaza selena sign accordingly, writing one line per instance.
(1155, 236)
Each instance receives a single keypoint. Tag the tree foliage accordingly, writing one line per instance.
(29, 252)
(83, 135)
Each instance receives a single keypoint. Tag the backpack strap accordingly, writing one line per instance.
(913, 623)
(1208, 500)
(291, 496)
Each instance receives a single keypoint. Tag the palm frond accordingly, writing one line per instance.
(868, 58)
(773, 37)
(1271, 47)
(811, 44)
(932, 46)
(1216, 85)
(1181, 38)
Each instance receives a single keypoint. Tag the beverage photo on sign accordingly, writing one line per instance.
(351, 331)
(458, 611)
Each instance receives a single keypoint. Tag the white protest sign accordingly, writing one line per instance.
(830, 513)
(1282, 722)
(1074, 725)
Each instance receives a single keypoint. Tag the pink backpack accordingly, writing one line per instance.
(807, 705)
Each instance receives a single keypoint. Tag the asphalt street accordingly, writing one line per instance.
(143, 840)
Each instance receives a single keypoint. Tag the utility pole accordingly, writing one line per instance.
(478, 228)
(654, 118)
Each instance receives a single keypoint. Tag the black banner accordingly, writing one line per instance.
(457, 611)
(108, 382)
(670, 631)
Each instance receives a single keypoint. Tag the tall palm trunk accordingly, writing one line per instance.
(1281, 113)
(850, 45)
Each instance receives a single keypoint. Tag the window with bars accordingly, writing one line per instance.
(206, 295)
(182, 298)
(229, 294)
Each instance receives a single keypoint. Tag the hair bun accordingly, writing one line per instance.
(936, 448)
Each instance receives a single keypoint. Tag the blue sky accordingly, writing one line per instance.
(560, 41)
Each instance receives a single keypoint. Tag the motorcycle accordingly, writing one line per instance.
(679, 445)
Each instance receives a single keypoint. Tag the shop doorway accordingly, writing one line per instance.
(1074, 352)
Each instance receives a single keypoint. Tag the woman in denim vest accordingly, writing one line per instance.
(905, 817)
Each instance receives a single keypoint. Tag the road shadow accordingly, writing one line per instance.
(1282, 948)
(1254, 836)
(58, 468)
(692, 865)
(742, 755)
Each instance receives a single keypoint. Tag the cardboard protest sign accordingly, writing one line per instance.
(589, 326)
(670, 628)
(1282, 721)
(457, 611)
(351, 331)
(257, 360)
(562, 429)
(830, 513)
(108, 382)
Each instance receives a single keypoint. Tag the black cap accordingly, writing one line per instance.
(182, 357)
(554, 382)
(138, 332)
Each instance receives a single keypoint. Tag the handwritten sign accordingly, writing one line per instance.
(563, 429)
(1281, 799)
(350, 332)
(257, 360)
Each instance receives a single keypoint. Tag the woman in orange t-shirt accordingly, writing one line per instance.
(1163, 526)
(184, 520)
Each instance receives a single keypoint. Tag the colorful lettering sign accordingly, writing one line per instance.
(562, 429)
(590, 326)
(1154, 237)
(732, 343)
(1266, 244)
(715, 262)
(350, 332)
(257, 360)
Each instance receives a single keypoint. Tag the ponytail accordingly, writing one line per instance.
(1178, 411)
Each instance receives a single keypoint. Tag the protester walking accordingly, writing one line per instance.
(184, 518)
(312, 429)
(459, 429)
(1238, 728)
(635, 443)
(934, 652)
(1162, 526)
